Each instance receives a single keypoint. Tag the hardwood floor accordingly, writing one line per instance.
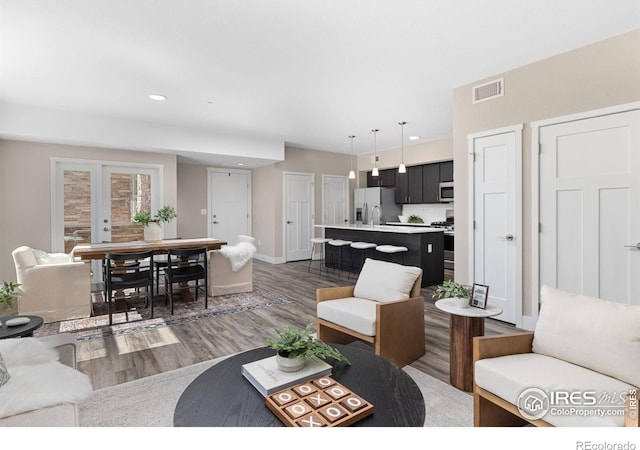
(113, 360)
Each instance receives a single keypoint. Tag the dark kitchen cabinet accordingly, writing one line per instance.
(446, 171)
(386, 178)
(409, 185)
(431, 183)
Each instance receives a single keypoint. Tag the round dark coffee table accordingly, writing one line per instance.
(222, 397)
(25, 330)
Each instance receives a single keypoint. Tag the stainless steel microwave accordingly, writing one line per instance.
(446, 192)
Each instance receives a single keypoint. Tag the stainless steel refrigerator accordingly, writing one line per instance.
(365, 199)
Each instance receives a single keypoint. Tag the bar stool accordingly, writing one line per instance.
(363, 247)
(317, 241)
(338, 243)
(391, 250)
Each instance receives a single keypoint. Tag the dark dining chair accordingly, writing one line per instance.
(128, 271)
(183, 266)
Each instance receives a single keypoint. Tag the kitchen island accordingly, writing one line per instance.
(425, 245)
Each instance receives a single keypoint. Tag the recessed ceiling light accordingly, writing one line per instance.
(157, 97)
(414, 138)
(241, 164)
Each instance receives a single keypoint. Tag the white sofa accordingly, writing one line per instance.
(53, 285)
(580, 367)
(384, 309)
(231, 268)
(44, 388)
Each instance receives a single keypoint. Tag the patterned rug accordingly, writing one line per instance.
(138, 315)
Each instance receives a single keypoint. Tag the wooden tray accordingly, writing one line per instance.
(319, 402)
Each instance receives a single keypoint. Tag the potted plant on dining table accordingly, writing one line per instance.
(153, 224)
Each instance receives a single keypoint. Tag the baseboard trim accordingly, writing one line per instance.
(270, 259)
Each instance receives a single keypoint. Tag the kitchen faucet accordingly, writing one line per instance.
(373, 216)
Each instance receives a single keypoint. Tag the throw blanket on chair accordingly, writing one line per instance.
(238, 254)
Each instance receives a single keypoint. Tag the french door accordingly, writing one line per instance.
(95, 202)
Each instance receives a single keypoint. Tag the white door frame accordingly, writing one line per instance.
(535, 189)
(210, 171)
(347, 203)
(284, 208)
(517, 129)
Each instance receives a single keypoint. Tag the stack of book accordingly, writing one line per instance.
(265, 376)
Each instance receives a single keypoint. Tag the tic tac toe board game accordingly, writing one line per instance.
(319, 402)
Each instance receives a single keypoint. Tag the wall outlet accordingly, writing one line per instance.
(203, 212)
(429, 248)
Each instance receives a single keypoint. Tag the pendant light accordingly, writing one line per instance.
(374, 172)
(402, 168)
(352, 174)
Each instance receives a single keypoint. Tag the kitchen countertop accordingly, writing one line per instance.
(407, 224)
(384, 228)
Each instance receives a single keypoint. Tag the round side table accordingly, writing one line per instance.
(464, 325)
(24, 330)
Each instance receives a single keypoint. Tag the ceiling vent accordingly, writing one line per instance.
(488, 91)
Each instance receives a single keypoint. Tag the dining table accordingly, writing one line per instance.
(98, 251)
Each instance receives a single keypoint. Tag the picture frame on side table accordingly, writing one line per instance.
(479, 296)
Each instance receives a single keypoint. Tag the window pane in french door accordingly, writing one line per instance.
(77, 208)
(130, 193)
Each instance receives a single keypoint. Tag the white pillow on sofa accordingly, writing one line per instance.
(384, 281)
(43, 257)
(601, 335)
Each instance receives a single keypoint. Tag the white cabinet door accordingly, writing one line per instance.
(590, 206)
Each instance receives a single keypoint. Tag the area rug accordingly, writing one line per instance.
(150, 401)
(138, 315)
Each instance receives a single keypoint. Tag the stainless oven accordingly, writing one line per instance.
(446, 192)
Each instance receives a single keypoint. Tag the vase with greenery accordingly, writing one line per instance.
(415, 219)
(451, 289)
(295, 344)
(152, 224)
(9, 291)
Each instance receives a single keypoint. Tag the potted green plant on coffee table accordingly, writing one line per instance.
(295, 344)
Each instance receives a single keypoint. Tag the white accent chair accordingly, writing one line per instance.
(53, 287)
(384, 309)
(231, 268)
(581, 345)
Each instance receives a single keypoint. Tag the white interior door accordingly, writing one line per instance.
(298, 215)
(230, 204)
(335, 197)
(590, 206)
(496, 239)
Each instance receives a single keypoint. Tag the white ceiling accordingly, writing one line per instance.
(308, 73)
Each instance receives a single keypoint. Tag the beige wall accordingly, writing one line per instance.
(268, 189)
(192, 197)
(25, 187)
(600, 75)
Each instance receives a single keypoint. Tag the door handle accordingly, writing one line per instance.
(215, 222)
(637, 246)
(508, 237)
(288, 222)
(105, 229)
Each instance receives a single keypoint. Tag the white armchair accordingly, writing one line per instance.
(52, 288)
(231, 268)
(384, 309)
